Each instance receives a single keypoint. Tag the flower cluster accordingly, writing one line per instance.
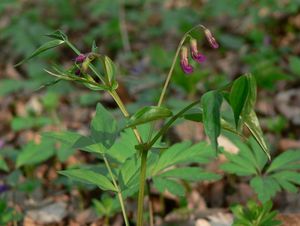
(196, 55)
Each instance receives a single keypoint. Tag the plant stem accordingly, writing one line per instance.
(142, 188)
(120, 104)
(123, 30)
(150, 206)
(121, 200)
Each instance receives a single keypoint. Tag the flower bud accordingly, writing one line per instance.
(198, 57)
(80, 58)
(212, 41)
(184, 62)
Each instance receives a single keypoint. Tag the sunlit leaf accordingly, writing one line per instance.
(41, 49)
(89, 177)
(148, 114)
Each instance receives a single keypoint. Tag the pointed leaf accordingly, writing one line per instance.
(190, 174)
(89, 177)
(35, 153)
(3, 165)
(109, 69)
(163, 184)
(252, 123)
(103, 128)
(238, 97)
(41, 49)
(285, 161)
(148, 114)
(211, 104)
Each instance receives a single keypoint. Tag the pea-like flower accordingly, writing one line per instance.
(198, 57)
(80, 58)
(184, 62)
(212, 41)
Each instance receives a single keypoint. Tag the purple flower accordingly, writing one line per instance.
(184, 62)
(80, 58)
(198, 57)
(212, 41)
(3, 188)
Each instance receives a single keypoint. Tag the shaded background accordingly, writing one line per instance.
(259, 37)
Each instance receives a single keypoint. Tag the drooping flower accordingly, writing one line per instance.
(80, 58)
(198, 57)
(184, 62)
(212, 41)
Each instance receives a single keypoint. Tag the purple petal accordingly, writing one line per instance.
(80, 58)
(198, 57)
(187, 68)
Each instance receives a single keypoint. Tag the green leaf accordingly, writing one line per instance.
(41, 49)
(35, 153)
(252, 123)
(287, 160)
(103, 128)
(148, 114)
(238, 97)
(294, 64)
(89, 177)
(249, 116)
(211, 104)
(163, 184)
(20, 123)
(190, 174)
(3, 165)
(183, 153)
(109, 69)
(266, 187)
(250, 160)
(66, 137)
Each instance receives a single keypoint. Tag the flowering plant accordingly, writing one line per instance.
(138, 162)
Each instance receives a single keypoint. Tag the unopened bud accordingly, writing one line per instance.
(212, 41)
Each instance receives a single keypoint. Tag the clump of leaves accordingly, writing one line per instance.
(267, 178)
(254, 215)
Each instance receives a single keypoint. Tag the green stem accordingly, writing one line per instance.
(142, 188)
(120, 104)
(170, 122)
(150, 206)
(121, 200)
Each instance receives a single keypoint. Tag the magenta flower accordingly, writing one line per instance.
(198, 57)
(184, 62)
(212, 41)
(80, 58)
